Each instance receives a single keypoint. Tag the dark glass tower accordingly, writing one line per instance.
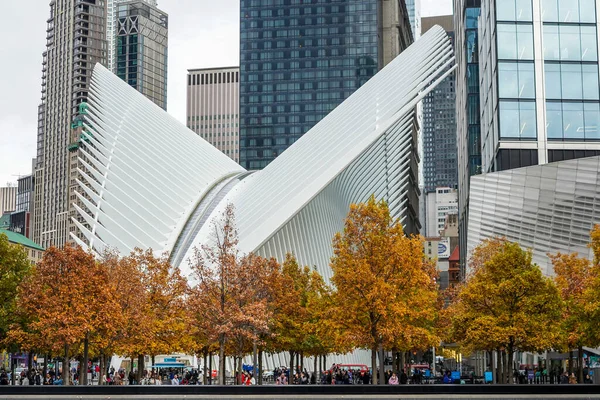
(299, 60)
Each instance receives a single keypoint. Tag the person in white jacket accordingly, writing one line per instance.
(175, 380)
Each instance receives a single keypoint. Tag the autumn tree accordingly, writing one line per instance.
(298, 315)
(380, 275)
(63, 300)
(14, 267)
(506, 305)
(573, 277)
(233, 289)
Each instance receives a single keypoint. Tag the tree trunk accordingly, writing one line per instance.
(141, 367)
(260, 367)
(45, 368)
(320, 369)
(301, 361)
(570, 362)
(509, 365)
(221, 359)
(292, 354)
(210, 368)
(382, 380)
(65, 369)
(297, 362)
(403, 361)
(83, 368)
(580, 364)
(239, 369)
(395, 365)
(315, 370)
(29, 363)
(204, 375)
(374, 365)
(325, 362)
(498, 368)
(102, 370)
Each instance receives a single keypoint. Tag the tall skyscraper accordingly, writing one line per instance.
(440, 164)
(140, 49)
(468, 129)
(21, 217)
(111, 24)
(75, 42)
(539, 83)
(538, 79)
(213, 97)
(299, 61)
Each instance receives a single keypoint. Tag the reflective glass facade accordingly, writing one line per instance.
(439, 126)
(571, 70)
(141, 49)
(298, 61)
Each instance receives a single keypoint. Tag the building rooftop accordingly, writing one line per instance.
(455, 255)
(20, 239)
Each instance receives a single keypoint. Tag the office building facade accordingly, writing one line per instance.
(439, 204)
(440, 164)
(75, 42)
(8, 199)
(468, 129)
(140, 50)
(111, 24)
(298, 61)
(539, 77)
(20, 219)
(213, 97)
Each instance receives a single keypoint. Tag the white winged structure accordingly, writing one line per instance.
(147, 181)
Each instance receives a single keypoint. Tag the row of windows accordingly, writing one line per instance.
(319, 63)
(562, 11)
(572, 120)
(568, 11)
(354, 51)
(318, 74)
(295, 108)
(344, 31)
(213, 78)
(564, 120)
(362, 6)
(211, 117)
(323, 19)
(561, 42)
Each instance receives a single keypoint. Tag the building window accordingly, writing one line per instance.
(570, 43)
(515, 41)
(572, 120)
(516, 80)
(517, 120)
(569, 11)
(513, 10)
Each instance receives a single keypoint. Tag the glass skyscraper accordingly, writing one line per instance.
(468, 129)
(439, 125)
(141, 44)
(299, 60)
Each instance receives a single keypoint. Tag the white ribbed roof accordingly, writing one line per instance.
(155, 178)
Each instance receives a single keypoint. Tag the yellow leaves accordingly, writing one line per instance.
(505, 303)
(380, 274)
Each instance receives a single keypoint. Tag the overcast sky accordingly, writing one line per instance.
(202, 33)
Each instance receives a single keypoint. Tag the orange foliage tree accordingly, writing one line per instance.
(380, 274)
(64, 300)
(233, 289)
